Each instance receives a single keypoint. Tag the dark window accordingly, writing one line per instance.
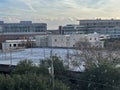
(14, 45)
(19, 45)
(55, 40)
(67, 39)
(10, 45)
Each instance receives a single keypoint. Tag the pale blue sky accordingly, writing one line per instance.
(58, 12)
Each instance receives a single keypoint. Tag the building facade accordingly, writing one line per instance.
(72, 29)
(53, 32)
(109, 27)
(69, 41)
(13, 45)
(22, 30)
(24, 27)
(41, 40)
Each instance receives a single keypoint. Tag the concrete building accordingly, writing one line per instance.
(22, 30)
(13, 45)
(70, 40)
(108, 27)
(41, 40)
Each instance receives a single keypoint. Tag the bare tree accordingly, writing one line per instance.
(86, 55)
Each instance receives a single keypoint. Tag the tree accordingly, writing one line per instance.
(101, 77)
(25, 67)
(29, 82)
(100, 71)
(59, 67)
(27, 76)
(85, 55)
(112, 44)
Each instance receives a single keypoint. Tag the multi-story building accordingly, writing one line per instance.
(110, 27)
(53, 32)
(22, 30)
(72, 29)
(24, 27)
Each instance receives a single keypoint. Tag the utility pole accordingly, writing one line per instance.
(31, 47)
(44, 45)
(5, 50)
(10, 56)
(68, 57)
(44, 52)
(68, 46)
(31, 44)
(3, 40)
(52, 69)
(52, 74)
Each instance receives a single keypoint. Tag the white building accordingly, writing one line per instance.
(41, 40)
(70, 40)
(10, 45)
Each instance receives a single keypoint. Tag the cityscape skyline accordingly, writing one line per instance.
(55, 12)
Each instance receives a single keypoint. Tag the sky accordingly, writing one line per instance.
(58, 12)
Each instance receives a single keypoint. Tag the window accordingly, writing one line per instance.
(67, 39)
(94, 23)
(14, 45)
(19, 45)
(55, 40)
(10, 45)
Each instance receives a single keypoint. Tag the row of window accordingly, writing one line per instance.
(24, 31)
(100, 23)
(93, 39)
(9, 28)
